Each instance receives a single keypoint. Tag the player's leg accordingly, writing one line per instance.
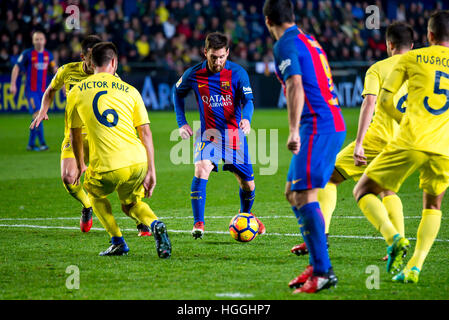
(203, 168)
(327, 197)
(394, 207)
(40, 129)
(99, 186)
(131, 192)
(387, 172)
(68, 176)
(434, 180)
(319, 274)
(33, 132)
(309, 171)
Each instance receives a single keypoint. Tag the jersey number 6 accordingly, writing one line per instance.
(438, 90)
(103, 118)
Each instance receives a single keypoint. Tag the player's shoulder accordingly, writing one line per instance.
(384, 65)
(24, 55)
(70, 67)
(194, 69)
(234, 67)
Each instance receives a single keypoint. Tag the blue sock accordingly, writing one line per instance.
(311, 223)
(40, 134)
(32, 139)
(198, 198)
(246, 200)
(117, 240)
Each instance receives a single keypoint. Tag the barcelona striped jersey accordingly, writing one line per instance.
(297, 53)
(221, 99)
(35, 64)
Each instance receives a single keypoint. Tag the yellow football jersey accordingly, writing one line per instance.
(69, 75)
(425, 123)
(383, 127)
(110, 109)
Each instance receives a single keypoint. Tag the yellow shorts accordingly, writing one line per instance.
(67, 151)
(345, 160)
(127, 181)
(394, 165)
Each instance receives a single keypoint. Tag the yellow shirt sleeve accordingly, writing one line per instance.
(140, 116)
(398, 75)
(58, 80)
(73, 118)
(372, 82)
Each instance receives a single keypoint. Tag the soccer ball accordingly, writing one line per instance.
(243, 227)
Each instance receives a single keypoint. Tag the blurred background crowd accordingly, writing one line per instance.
(170, 34)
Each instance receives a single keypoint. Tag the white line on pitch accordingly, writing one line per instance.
(188, 231)
(187, 217)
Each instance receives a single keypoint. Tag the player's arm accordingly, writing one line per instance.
(392, 85)
(19, 66)
(365, 117)
(294, 92)
(14, 74)
(370, 92)
(247, 102)
(182, 88)
(49, 95)
(75, 124)
(287, 60)
(146, 137)
(142, 123)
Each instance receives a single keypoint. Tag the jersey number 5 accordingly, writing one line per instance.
(438, 90)
(103, 118)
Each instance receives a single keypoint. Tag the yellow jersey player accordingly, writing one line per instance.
(373, 134)
(111, 110)
(68, 76)
(421, 144)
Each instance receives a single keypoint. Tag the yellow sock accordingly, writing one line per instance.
(78, 193)
(142, 212)
(427, 232)
(375, 212)
(103, 211)
(393, 205)
(327, 198)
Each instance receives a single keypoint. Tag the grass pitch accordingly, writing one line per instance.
(40, 236)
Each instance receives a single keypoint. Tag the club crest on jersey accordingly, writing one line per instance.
(225, 85)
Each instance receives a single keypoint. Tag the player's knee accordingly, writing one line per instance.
(248, 185)
(68, 178)
(203, 170)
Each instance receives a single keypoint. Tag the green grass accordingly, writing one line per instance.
(33, 260)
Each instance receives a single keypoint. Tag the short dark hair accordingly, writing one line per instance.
(400, 34)
(439, 25)
(216, 40)
(103, 52)
(279, 11)
(89, 42)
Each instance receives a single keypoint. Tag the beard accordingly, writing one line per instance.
(215, 68)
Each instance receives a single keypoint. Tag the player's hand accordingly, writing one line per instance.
(245, 126)
(13, 89)
(294, 142)
(359, 156)
(149, 183)
(38, 119)
(185, 132)
(80, 173)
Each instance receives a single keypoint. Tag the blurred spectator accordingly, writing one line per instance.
(156, 30)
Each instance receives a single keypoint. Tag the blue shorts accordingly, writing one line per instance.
(236, 161)
(312, 167)
(37, 100)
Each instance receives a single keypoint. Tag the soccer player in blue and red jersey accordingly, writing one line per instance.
(35, 63)
(317, 132)
(225, 102)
